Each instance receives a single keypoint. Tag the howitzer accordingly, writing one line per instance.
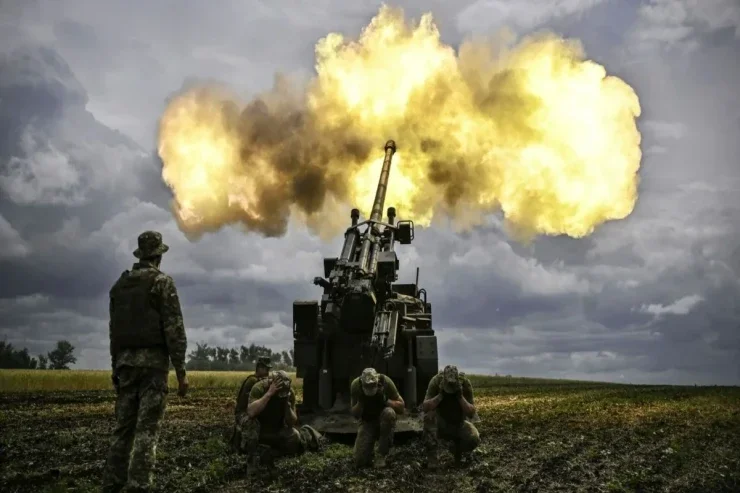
(364, 319)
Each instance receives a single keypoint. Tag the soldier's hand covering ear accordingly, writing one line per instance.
(275, 386)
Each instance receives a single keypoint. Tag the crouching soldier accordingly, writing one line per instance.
(448, 408)
(238, 441)
(376, 402)
(272, 421)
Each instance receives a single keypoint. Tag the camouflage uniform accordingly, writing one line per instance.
(269, 428)
(146, 332)
(378, 421)
(447, 422)
(238, 441)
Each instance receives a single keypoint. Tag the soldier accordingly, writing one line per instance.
(376, 402)
(272, 420)
(242, 400)
(146, 333)
(448, 408)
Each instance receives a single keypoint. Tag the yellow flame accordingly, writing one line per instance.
(533, 129)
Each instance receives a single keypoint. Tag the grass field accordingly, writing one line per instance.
(61, 380)
(537, 435)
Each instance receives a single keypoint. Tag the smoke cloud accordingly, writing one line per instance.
(533, 129)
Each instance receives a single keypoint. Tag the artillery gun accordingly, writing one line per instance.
(364, 319)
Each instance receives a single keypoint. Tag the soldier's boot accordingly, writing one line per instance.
(268, 460)
(113, 488)
(456, 452)
(458, 456)
(433, 460)
(314, 440)
(380, 461)
(253, 464)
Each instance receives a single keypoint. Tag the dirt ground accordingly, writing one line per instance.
(536, 436)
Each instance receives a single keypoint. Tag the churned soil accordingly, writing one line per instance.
(537, 435)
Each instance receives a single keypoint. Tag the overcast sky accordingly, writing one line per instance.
(654, 298)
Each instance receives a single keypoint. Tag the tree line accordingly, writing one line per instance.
(243, 358)
(58, 359)
(203, 357)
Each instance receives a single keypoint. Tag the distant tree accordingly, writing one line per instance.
(287, 358)
(234, 357)
(252, 353)
(198, 359)
(222, 354)
(200, 352)
(62, 356)
(17, 359)
(242, 358)
(43, 362)
(28, 360)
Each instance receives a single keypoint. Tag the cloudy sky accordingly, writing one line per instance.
(654, 298)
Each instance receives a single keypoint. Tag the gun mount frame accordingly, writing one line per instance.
(364, 319)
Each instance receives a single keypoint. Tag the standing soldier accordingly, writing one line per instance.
(376, 402)
(146, 333)
(448, 408)
(242, 400)
(272, 421)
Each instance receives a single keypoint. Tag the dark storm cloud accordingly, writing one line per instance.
(66, 248)
(237, 42)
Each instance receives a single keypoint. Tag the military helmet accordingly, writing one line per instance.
(450, 379)
(281, 377)
(150, 245)
(369, 381)
(264, 361)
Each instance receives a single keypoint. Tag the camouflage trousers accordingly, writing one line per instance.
(237, 441)
(140, 406)
(285, 441)
(464, 436)
(369, 431)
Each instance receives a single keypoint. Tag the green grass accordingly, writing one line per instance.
(62, 380)
(537, 435)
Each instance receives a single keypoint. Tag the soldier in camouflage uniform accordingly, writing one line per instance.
(238, 441)
(448, 408)
(146, 334)
(376, 402)
(272, 421)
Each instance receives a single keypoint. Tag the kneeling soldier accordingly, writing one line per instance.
(448, 408)
(375, 401)
(262, 370)
(272, 420)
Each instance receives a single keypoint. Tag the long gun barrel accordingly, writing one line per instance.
(366, 260)
(377, 212)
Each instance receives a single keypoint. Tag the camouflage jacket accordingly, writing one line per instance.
(173, 327)
(273, 415)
